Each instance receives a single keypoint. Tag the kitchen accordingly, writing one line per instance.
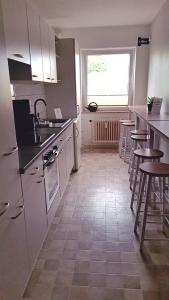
(29, 206)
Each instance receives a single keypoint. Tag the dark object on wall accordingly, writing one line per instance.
(143, 41)
(25, 123)
(92, 107)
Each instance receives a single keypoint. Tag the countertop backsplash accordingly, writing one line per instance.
(31, 91)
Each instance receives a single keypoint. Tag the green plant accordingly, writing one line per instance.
(150, 100)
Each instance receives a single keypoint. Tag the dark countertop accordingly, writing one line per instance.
(28, 154)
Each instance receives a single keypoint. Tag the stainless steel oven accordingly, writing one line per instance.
(51, 173)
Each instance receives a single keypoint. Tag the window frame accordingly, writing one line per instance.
(86, 52)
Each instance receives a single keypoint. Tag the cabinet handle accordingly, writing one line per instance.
(61, 140)
(33, 173)
(35, 76)
(53, 78)
(48, 78)
(14, 149)
(6, 206)
(21, 207)
(18, 55)
(40, 181)
(37, 168)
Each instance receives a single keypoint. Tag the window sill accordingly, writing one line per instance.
(102, 110)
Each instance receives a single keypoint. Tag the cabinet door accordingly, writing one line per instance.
(53, 66)
(16, 30)
(62, 169)
(10, 183)
(14, 261)
(35, 209)
(10, 188)
(45, 50)
(7, 127)
(35, 44)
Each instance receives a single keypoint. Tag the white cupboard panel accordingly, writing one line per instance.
(16, 30)
(45, 50)
(35, 44)
(35, 209)
(53, 66)
(10, 183)
(14, 261)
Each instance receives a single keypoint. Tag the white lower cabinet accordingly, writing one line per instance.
(70, 154)
(62, 169)
(14, 261)
(35, 208)
(66, 158)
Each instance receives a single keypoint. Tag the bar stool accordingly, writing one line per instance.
(150, 171)
(121, 138)
(140, 155)
(125, 139)
(138, 141)
(135, 132)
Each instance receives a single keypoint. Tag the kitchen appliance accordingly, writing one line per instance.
(77, 143)
(26, 124)
(51, 173)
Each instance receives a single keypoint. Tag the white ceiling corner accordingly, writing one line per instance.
(92, 13)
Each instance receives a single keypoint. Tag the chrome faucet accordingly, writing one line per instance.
(35, 109)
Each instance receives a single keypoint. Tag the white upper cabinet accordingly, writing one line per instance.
(35, 44)
(45, 50)
(53, 67)
(48, 53)
(16, 30)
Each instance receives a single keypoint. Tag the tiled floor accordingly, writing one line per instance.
(91, 252)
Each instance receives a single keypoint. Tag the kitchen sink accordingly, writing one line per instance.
(57, 123)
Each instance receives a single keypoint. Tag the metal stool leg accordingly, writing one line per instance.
(145, 212)
(141, 191)
(135, 182)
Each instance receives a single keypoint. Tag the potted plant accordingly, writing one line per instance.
(150, 103)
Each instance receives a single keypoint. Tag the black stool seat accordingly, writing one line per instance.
(127, 121)
(148, 153)
(128, 124)
(155, 169)
(140, 138)
(138, 131)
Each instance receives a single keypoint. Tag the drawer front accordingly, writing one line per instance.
(34, 173)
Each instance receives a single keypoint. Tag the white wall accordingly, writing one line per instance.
(114, 37)
(159, 57)
(118, 37)
(158, 82)
(31, 91)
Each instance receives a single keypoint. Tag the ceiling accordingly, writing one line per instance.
(91, 13)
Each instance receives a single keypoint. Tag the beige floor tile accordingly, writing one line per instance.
(79, 293)
(133, 294)
(91, 252)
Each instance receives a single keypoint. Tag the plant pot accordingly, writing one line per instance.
(149, 107)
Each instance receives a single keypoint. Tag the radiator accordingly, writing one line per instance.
(105, 131)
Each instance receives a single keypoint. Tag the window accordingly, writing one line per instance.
(108, 78)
